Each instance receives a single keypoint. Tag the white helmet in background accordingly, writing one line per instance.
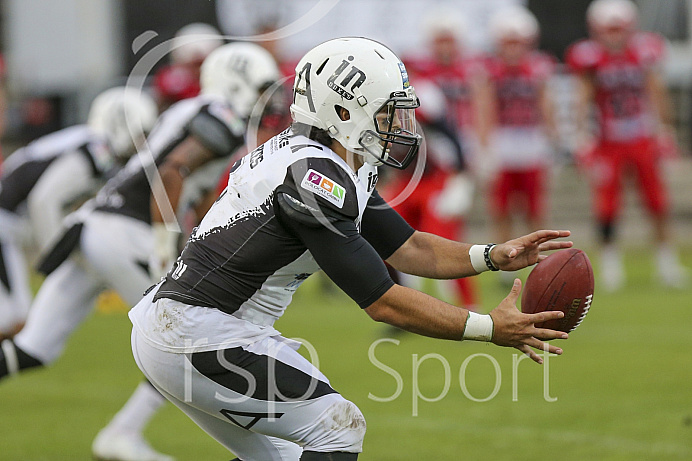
(514, 23)
(445, 20)
(239, 72)
(368, 80)
(612, 13)
(123, 116)
(194, 42)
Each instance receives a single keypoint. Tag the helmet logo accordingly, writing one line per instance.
(404, 74)
(307, 92)
(341, 87)
(239, 65)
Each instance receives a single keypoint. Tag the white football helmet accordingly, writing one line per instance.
(612, 13)
(514, 23)
(368, 80)
(445, 21)
(123, 116)
(239, 72)
(194, 42)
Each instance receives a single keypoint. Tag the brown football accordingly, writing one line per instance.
(561, 282)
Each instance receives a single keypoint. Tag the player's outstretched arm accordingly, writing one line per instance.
(419, 313)
(428, 255)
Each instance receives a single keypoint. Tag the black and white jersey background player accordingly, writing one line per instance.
(112, 233)
(43, 181)
(306, 201)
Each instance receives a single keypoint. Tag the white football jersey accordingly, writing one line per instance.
(241, 260)
(46, 179)
(26, 166)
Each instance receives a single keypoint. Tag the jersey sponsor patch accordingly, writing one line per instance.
(325, 187)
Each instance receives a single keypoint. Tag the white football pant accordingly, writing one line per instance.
(113, 252)
(15, 298)
(255, 427)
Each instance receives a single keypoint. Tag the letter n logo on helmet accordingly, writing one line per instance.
(341, 88)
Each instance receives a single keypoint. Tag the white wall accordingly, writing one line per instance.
(60, 46)
(396, 23)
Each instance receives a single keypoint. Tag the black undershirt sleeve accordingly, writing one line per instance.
(348, 259)
(383, 227)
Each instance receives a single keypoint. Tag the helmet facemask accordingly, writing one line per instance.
(394, 142)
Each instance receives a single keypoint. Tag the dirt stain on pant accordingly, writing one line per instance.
(346, 415)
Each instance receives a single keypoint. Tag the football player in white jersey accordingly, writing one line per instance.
(305, 201)
(111, 241)
(43, 181)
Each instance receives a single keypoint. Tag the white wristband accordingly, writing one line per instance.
(477, 258)
(480, 258)
(478, 327)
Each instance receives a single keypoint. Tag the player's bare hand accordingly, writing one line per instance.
(526, 251)
(515, 329)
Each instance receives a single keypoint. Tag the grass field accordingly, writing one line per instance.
(623, 387)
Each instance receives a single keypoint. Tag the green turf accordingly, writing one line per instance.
(623, 386)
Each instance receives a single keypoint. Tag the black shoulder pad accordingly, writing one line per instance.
(292, 207)
(322, 184)
(216, 134)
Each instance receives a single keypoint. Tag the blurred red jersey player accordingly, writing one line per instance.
(519, 121)
(456, 72)
(435, 192)
(180, 79)
(618, 71)
(436, 197)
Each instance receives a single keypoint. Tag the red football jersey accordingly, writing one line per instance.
(624, 109)
(174, 83)
(518, 88)
(453, 80)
